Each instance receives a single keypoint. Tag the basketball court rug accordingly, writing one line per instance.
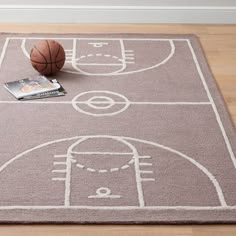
(143, 135)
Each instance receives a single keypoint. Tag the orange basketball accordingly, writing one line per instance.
(47, 57)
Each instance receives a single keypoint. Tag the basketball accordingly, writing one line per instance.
(47, 57)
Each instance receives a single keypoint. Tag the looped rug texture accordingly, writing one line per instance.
(142, 135)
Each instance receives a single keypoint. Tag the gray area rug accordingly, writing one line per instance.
(143, 135)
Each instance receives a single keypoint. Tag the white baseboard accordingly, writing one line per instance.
(117, 14)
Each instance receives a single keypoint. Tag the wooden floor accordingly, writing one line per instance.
(219, 43)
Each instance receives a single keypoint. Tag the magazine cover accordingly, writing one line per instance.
(55, 93)
(31, 86)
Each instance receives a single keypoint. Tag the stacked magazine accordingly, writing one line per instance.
(34, 88)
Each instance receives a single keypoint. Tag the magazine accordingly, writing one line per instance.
(31, 86)
(56, 93)
(35, 87)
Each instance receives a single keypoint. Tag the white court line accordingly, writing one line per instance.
(138, 180)
(24, 48)
(58, 179)
(109, 102)
(80, 166)
(110, 93)
(109, 39)
(59, 171)
(144, 157)
(122, 47)
(147, 179)
(126, 139)
(60, 156)
(59, 163)
(75, 65)
(145, 164)
(73, 58)
(102, 153)
(69, 170)
(218, 119)
(120, 71)
(146, 171)
(4, 50)
(148, 103)
(105, 102)
(99, 64)
(136, 165)
(194, 208)
(98, 44)
(102, 171)
(194, 162)
(171, 54)
(105, 196)
(124, 167)
(91, 170)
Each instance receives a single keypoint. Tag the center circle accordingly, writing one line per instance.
(106, 102)
(100, 103)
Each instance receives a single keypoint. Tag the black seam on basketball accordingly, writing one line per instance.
(57, 52)
(50, 55)
(41, 54)
(54, 62)
(46, 64)
(57, 67)
(40, 71)
(56, 58)
(44, 68)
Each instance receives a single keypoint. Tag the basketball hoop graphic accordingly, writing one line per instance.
(86, 159)
(101, 59)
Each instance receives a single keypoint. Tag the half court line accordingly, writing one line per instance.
(105, 102)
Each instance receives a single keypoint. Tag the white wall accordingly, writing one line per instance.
(119, 11)
(122, 2)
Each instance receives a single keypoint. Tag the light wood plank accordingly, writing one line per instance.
(91, 230)
(214, 230)
(124, 28)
